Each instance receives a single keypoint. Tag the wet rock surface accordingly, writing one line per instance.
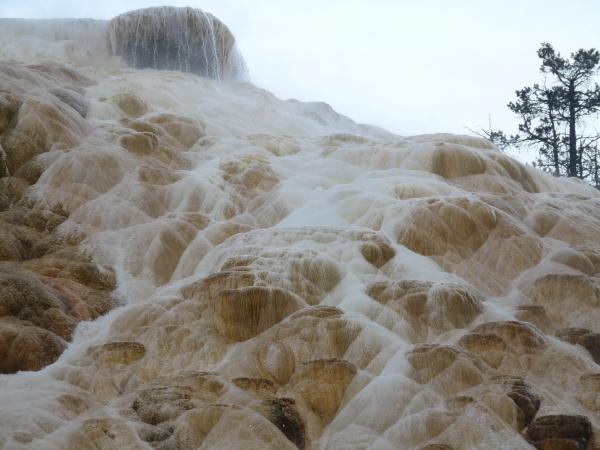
(170, 38)
(560, 431)
(286, 278)
(47, 284)
(587, 339)
(284, 414)
(40, 306)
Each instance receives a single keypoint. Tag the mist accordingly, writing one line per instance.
(411, 67)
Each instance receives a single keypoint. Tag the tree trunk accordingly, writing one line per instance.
(556, 162)
(596, 169)
(554, 143)
(572, 132)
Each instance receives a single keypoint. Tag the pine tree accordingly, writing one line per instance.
(553, 115)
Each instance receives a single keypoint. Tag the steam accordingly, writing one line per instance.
(163, 38)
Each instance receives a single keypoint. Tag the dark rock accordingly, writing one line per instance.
(24, 346)
(523, 395)
(283, 413)
(560, 444)
(586, 338)
(528, 402)
(549, 432)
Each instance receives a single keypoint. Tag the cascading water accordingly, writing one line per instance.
(243, 272)
(163, 38)
(184, 39)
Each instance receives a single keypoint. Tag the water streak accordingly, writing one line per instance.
(169, 38)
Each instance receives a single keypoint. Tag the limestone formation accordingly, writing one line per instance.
(588, 340)
(189, 262)
(560, 431)
(171, 38)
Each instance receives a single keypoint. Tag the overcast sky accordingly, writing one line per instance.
(413, 67)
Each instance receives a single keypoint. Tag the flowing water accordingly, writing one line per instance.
(212, 267)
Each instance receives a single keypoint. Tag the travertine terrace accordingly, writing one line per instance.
(190, 263)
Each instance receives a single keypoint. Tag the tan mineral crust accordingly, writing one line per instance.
(192, 263)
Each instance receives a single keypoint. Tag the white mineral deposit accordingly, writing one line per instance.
(189, 262)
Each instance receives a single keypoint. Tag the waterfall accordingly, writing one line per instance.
(184, 39)
(162, 38)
